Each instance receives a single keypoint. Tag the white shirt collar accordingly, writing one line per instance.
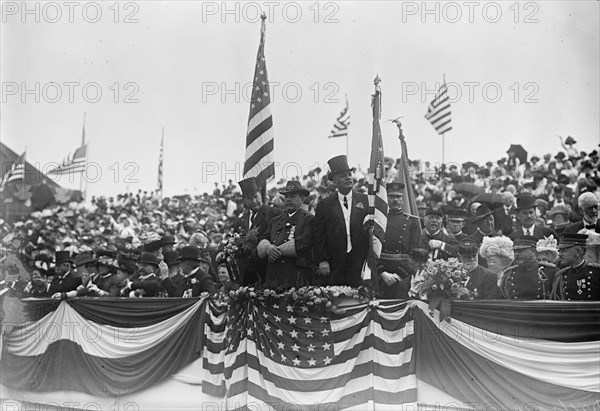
(348, 197)
(290, 215)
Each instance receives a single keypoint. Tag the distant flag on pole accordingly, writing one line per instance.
(340, 127)
(260, 159)
(378, 207)
(159, 188)
(16, 171)
(438, 112)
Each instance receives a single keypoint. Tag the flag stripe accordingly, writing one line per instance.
(257, 156)
(340, 127)
(438, 111)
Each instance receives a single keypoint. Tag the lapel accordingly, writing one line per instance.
(473, 275)
(354, 210)
(337, 211)
(260, 217)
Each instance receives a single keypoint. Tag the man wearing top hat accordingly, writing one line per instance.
(402, 235)
(194, 267)
(288, 242)
(527, 278)
(526, 216)
(434, 239)
(257, 216)
(65, 280)
(483, 220)
(341, 243)
(579, 280)
(482, 282)
(588, 206)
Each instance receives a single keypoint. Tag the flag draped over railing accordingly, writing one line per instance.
(438, 112)
(340, 127)
(378, 207)
(159, 187)
(260, 159)
(16, 171)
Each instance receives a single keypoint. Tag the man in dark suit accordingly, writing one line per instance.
(66, 280)
(526, 220)
(588, 205)
(483, 221)
(482, 282)
(256, 216)
(146, 283)
(173, 282)
(195, 270)
(288, 242)
(340, 242)
(434, 239)
(503, 216)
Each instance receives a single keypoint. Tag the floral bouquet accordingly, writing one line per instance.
(443, 281)
(237, 252)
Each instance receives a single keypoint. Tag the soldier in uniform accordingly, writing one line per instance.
(579, 280)
(455, 222)
(402, 235)
(288, 242)
(527, 279)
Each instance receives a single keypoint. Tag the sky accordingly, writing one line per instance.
(517, 73)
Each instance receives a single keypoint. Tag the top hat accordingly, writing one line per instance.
(395, 187)
(191, 252)
(525, 200)
(249, 187)
(456, 213)
(63, 257)
(171, 258)
(294, 186)
(525, 242)
(571, 240)
(337, 165)
(468, 247)
(434, 211)
(84, 258)
(482, 212)
(570, 140)
(149, 258)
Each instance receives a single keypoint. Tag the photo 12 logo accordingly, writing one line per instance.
(289, 12)
(289, 92)
(469, 11)
(69, 12)
(69, 92)
(473, 91)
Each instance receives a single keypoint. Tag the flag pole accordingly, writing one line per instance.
(443, 147)
(81, 174)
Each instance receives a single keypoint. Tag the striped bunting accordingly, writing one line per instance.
(16, 171)
(340, 127)
(260, 159)
(438, 112)
(283, 355)
(74, 162)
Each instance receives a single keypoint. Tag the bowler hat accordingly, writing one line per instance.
(191, 252)
(171, 258)
(395, 187)
(337, 165)
(149, 258)
(525, 200)
(294, 186)
(166, 240)
(482, 212)
(63, 257)
(249, 187)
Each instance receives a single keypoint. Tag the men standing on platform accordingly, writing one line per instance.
(527, 279)
(256, 216)
(288, 242)
(440, 244)
(455, 222)
(340, 242)
(579, 280)
(525, 210)
(482, 282)
(402, 235)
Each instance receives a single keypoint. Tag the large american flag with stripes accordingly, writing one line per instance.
(260, 159)
(285, 353)
(16, 171)
(438, 112)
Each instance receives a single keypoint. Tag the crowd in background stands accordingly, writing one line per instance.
(122, 233)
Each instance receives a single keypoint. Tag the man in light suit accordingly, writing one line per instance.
(340, 242)
(526, 216)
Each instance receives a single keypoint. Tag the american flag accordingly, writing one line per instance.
(159, 188)
(260, 159)
(74, 162)
(404, 176)
(378, 206)
(16, 171)
(285, 353)
(340, 127)
(438, 112)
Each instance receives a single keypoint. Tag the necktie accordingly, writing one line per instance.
(345, 202)
(590, 226)
(528, 232)
(252, 217)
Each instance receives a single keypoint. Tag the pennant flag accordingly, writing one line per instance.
(438, 112)
(378, 207)
(404, 177)
(260, 159)
(340, 127)
(159, 187)
(16, 172)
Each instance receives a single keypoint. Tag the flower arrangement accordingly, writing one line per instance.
(325, 298)
(237, 252)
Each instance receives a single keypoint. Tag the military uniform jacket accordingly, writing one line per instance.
(527, 283)
(403, 233)
(579, 283)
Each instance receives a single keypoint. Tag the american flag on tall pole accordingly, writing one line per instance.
(159, 187)
(438, 112)
(260, 158)
(16, 171)
(378, 207)
(340, 127)
(75, 161)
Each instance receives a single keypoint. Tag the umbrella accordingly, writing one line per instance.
(519, 151)
(469, 164)
(468, 188)
(489, 199)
